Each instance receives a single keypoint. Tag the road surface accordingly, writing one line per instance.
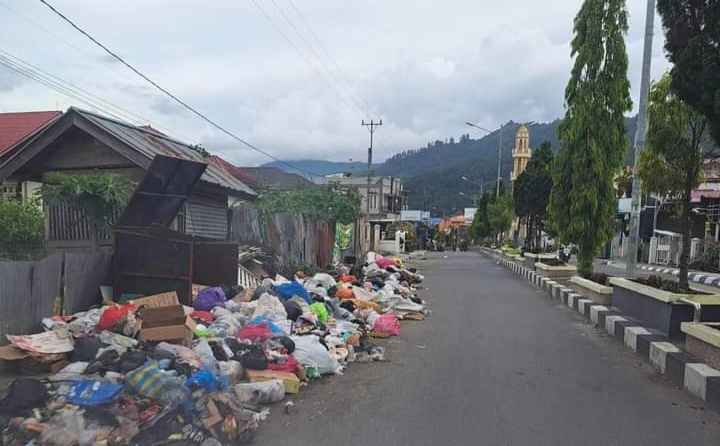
(498, 363)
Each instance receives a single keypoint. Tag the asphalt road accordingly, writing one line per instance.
(498, 363)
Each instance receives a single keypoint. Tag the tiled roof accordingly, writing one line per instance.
(16, 126)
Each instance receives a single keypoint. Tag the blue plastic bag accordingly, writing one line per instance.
(209, 298)
(289, 289)
(269, 322)
(92, 393)
(206, 379)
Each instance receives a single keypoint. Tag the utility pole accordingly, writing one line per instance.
(497, 192)
(640, 135)
(371, 126)
(482, 182)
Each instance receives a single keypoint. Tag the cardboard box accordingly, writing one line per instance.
(158, 300)
(290, 380)
(164, 319)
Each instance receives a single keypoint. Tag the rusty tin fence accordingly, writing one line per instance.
(32, 290)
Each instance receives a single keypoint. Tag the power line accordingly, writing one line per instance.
(33, 75)
(341, 73)
(126, 114)
(317, 56)
(65, 41)
(303, 56)
(329, 56)
(175, 98)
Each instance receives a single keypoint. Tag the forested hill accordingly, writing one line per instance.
(441, 154)
(435, 182)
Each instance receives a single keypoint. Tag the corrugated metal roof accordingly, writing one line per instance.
(151, 143)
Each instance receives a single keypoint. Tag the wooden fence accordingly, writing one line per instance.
(292, 239)
(29, 291)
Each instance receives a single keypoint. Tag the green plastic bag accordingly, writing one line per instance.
(320, 311)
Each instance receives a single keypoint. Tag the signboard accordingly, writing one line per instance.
(470, 214)
(411, 215)
(624, 205)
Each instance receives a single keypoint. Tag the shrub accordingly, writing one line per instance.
(22, 234)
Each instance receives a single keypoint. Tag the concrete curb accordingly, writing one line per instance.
(682, 369)
(701, 278)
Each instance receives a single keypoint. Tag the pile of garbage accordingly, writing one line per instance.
(151, 371)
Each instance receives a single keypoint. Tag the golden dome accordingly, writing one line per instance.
(523, 129)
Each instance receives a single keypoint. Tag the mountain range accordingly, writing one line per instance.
(433, 174)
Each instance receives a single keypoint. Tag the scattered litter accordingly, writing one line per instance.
(154, 371)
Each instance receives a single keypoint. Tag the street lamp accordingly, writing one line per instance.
(497, 193)
(481, 183)
(473, 197)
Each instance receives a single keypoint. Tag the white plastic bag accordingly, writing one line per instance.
(265, 392)
(270, 306)
(310, 352)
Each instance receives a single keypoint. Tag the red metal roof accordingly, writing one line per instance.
(697, 195)
(237, 172)
(16, 126)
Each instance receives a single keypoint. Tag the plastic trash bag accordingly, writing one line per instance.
(254, 358)
(209, 298)
(91, 393)
(289, 289)
(275, 328)
(152, 382)
(266, 392)
(204, 353)
(231, 370)
(114, 317)
(205, 379)
(260, 332)
(320, 311)
(271, 307)
(387, 324)
(310, 352)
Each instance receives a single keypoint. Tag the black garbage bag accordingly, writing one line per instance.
(24, 394)
(233, 344)
(348, 305)
(286, 342)
(103, 362)
(231, 290)
(218, 351)
(293, 310)
(254, 358)
(130, 360)
(86, 349)
(258, 292)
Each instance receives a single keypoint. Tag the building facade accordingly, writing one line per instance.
(386, 194)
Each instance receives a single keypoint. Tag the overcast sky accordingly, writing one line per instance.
(424, 66)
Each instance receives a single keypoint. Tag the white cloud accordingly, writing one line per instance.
(425, 66)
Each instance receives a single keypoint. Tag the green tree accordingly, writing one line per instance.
(480, 226)
(692, 39)
(98, 196)
(22, 226)
(500, 214)
(592, 134)
(531, 192)
(671, 166)
(327, 202)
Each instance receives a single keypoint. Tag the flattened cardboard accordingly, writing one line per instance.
(158, 300)
(12, 353)
(290, 380)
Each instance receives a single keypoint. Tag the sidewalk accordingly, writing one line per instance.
(705, 278)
